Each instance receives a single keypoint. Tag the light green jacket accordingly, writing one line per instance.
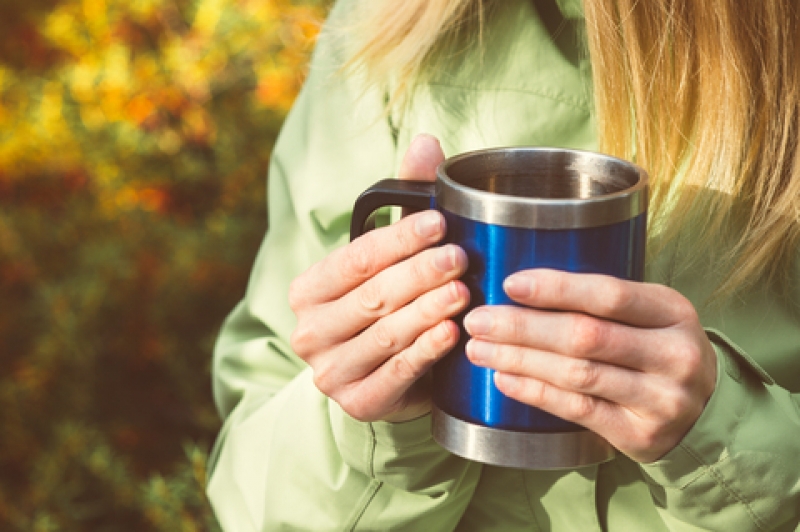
(290, 459)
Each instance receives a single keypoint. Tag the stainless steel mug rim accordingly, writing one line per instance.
(545, 213)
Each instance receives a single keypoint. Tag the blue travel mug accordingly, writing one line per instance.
(513, 209)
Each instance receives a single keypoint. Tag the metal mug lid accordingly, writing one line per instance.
(541, 188)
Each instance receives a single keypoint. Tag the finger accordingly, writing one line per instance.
(614, 384)
(349, 266)
(387, 292)
(386, 390)
(638, 304)
(643, 437)
(591, 412)
(571, 334)
(394, 334)
(424, 154)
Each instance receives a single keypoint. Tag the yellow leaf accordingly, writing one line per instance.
(207, 16)
(96, 12)
(83, 78)
(118, 65)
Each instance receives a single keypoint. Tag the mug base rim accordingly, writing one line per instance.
(523, 450)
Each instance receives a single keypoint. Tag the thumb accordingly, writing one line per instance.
(424, 154)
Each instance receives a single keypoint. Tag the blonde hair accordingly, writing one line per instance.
(396, 40)
(706, 95)
(703, 95)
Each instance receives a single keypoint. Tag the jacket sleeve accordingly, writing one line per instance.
(739, 466)
(287, 457)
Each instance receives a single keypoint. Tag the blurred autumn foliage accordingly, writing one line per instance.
(134, 141)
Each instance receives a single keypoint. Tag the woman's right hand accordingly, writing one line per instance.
(375, 315)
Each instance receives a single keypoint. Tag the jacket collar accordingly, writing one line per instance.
(571, 9)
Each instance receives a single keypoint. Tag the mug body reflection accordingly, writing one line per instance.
(466, 391)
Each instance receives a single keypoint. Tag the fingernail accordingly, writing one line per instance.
(428, 225)
(448, 295)
(445, 259)
(441, 333)
(516, 286)
(480, 351)
(478, 322)
(506, 382)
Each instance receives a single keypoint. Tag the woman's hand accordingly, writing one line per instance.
(374, 315)
(629, 361)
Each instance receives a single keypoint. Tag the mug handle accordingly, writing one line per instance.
(414, 195)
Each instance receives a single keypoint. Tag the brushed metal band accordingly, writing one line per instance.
(524, 450)
(605, 190)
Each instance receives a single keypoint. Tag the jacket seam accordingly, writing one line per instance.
(374, 484)
(712, 470)
(372, 490)
(390, 120)
(371, 449)
(574, 103)
(527, 492)
(714, 473)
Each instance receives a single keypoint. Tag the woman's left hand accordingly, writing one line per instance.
(629, 361)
